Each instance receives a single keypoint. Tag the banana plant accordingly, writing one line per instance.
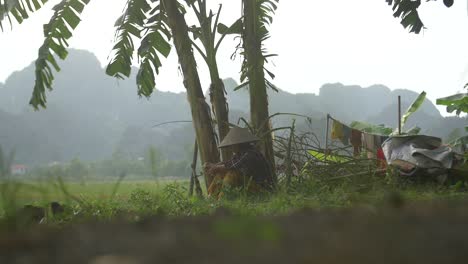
(383, 130)
(206, 34)
(410, 111)
(151, 22)
(252, 28)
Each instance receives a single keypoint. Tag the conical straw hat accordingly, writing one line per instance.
(238, 135)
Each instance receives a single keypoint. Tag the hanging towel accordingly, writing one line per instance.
(337, 130)
(377, 141)
(369, 142)
(346, 135)
(356, 141)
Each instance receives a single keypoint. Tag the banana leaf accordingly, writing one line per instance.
(457, 102)
(413, 108)
(333, 158)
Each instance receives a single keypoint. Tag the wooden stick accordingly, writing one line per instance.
(326, 138)
(288, 155)
(399, 115)
(194, 168)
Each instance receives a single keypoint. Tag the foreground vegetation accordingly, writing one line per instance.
(134, 200)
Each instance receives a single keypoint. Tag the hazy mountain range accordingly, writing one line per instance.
(91, 115)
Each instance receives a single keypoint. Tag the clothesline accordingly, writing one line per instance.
(358, 139)
(364, 132)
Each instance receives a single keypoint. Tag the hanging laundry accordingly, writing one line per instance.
(377, 141)
(369, 142)
(346, 135)
(381, 161)
(337, 130)
(356, 141)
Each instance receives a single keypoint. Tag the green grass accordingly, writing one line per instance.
(136, 199)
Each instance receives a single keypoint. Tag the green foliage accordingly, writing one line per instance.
(57, 33)
(20, 9)
(136, 200)
(235, 28)
(129, 25)
(264, 17)
(143, 200)
(153, 44)
(175, 196)
(413, 108)
(407, 10)
(154, 160)
(455, 134)
(147, 24)
(372, 129)
(457, 103)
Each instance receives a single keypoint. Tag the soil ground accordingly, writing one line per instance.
(420, 232)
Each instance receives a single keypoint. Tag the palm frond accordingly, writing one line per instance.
(129, 26)
(19, 9)
(407, 10)
(57, 33)
(154, 43)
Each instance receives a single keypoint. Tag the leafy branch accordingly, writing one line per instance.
(129, 25)
(154, 43)
(57, 33)
(407, 11)
(148, 23)
(20, 9)
(457, 103)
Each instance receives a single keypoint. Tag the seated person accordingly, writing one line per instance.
(248, 168)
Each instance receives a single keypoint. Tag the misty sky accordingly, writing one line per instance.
(352, 42)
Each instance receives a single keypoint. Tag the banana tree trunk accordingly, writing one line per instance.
(217, 90)
(259, 113)
(200, 110)
(220, 106)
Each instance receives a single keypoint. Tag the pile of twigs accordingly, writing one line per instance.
(292, 151)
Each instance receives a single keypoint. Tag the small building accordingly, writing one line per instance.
(18, 169)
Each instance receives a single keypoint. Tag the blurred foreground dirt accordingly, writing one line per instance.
(418, 233)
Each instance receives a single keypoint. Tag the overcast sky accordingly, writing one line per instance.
(352, 42)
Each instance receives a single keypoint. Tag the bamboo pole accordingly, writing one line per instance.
(326, 138)
(399, 115)
(193, 178)
(289, 171)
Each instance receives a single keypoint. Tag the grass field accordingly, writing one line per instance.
(106, 200)
(36, 192)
